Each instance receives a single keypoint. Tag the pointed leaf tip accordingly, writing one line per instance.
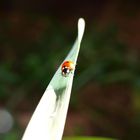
(81, 28)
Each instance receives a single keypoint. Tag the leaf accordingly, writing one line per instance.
(48, 120)
(88, 138)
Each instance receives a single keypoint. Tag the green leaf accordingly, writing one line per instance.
(48, 120)
(87, 138)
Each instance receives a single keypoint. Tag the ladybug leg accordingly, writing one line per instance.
(71, 72)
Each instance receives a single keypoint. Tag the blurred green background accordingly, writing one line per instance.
(36, 35)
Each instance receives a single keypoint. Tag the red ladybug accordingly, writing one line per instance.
(67, 67)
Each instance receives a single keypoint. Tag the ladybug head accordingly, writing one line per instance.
(65, 71)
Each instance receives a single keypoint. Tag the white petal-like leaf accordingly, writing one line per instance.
(48, 120)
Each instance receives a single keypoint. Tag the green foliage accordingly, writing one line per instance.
(87, 138)
(31, 53)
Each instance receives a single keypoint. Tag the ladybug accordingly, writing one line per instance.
(67, 68)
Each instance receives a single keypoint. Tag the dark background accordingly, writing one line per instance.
(36, 35)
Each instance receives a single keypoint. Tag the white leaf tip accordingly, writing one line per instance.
(81, 21)
(81, 28)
